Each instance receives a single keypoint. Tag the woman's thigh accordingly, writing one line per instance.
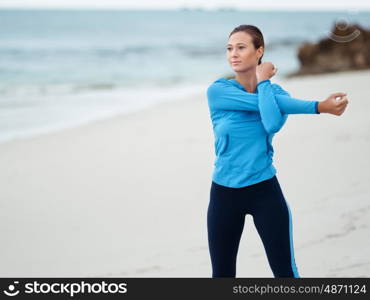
(225, 222)
(273, 221)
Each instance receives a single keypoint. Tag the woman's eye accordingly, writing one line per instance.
(240, 47)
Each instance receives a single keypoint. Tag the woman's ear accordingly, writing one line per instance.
(260, 51)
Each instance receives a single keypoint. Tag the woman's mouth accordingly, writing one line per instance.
(235, 62)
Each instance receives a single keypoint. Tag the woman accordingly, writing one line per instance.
(246, 112)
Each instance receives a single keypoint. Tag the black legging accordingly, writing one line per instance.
(271, 215)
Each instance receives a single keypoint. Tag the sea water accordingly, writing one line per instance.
(63, 68)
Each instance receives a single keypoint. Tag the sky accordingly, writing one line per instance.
(349, 5)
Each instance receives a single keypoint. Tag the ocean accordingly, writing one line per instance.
(63, 68)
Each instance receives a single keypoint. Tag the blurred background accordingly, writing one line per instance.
(65, 63)
(127, 194)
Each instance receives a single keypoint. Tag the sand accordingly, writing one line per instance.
(128, 196)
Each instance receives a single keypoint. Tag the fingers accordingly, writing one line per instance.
(343, 101)
(340, 100)
(268, 67)
(338, 94)
(342, 105)
(274, 69)
(342, 110)
(269, 63)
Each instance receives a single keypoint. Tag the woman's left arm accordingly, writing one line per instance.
(271, 115)
(275, 104)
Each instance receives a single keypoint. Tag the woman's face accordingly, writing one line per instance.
(241, 53)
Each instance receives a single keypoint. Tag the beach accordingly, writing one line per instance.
(128, 196)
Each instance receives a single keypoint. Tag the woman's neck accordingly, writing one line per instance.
(248, 80)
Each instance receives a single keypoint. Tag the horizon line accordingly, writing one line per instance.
(221, 8)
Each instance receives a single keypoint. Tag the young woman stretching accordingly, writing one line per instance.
(246, 112)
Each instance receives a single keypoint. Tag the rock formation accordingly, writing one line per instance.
(346, 48)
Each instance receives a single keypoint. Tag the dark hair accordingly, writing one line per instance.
(255, 33)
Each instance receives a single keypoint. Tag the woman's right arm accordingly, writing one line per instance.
(225, 96)
(272, 102)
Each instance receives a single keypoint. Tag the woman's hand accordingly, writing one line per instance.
(265, 71)
(335, 104)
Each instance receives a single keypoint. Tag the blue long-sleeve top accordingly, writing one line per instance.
(244, 124)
